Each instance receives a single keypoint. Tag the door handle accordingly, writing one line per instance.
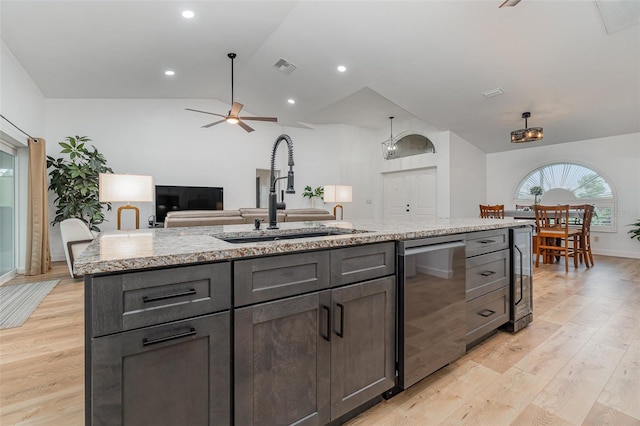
(147, 299)
(327, 337)
(521, 274)
(341, 332)
(486, 241)
(191, 332)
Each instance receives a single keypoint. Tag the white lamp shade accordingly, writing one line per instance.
(125, 188)
(337, 193)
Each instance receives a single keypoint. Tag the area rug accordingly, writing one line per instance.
(17, 302)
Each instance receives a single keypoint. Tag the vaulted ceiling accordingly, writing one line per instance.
(577, 74)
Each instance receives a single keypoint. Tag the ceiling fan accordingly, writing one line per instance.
(232, 117)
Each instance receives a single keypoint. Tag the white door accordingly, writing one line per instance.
(410, 195)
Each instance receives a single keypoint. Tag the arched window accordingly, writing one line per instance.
(570, 183)
(411, 144)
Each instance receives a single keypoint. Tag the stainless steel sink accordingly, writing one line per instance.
(238, 238)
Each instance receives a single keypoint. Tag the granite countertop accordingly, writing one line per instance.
(114, 251)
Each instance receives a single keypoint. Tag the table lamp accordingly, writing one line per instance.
(114, 188)
(338, 194)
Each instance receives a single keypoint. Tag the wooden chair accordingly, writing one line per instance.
(584, 241)
(492, 212)
(554, 237)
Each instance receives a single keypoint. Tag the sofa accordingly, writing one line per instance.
(244, 215)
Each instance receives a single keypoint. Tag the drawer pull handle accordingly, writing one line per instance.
(486, 241)
(341, 332)
(327, 336)
(146, 342)
(487, 273)
(147, 299)
(486, 313)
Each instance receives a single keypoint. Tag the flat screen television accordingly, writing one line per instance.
(172, 198)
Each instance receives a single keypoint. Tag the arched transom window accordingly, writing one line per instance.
(570, 183)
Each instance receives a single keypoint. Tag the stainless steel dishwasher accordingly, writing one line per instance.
(431, 305)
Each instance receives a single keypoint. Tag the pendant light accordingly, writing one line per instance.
(528, 134)
(389, 146)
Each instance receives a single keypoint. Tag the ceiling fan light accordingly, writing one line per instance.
(232, 120)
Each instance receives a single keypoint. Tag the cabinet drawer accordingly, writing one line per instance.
(138, 299)
(354, 264)
(486, 273)
(487, 241)
(171, 374)
(274, 277)
(486, 313)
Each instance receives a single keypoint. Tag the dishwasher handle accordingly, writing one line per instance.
(433, 247)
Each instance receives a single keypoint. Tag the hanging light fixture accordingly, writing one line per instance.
(389, 147)
(528, 134)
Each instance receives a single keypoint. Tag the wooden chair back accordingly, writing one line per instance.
(492, 212)
(554, 237)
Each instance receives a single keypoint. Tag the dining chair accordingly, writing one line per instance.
(492, 212)
(585, 213)
(554, 237)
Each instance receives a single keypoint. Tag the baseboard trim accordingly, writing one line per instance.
(617, 253)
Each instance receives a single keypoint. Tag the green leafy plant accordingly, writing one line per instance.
(536, 191)
(635, 232)
(74, 180)
(311, 193)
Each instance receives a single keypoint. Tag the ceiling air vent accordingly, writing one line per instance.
(493, 92)
(285, 66)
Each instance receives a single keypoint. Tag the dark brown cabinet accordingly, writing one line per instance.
(312, 358)
(363, 343)
(172, 374)
(487, 283)
(158, 347)
(282, 361)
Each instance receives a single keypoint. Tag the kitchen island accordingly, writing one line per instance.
(183, 327)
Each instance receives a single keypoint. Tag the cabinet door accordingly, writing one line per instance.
(362, 344)
(282, 361)
(173, 374)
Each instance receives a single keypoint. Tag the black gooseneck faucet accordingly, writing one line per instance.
(274, 205)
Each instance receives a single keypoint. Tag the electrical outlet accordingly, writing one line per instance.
(596, 239)
(367, 201)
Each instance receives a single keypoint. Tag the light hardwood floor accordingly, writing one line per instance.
(577, 363)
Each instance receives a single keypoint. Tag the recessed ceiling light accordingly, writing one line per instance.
(291, 101)
(342, 68)
(169, 72)
(188, 14)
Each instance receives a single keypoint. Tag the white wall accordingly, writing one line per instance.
(468, 167)
(440, 160)
(161, 139)
(21, 102)
(617, 158)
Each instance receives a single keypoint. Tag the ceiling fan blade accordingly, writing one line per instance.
(235, 109)
(244, 126)
(273, 119)
(509, 3)
(213, 124)
(204, 112)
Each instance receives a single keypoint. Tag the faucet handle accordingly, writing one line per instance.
(257, 223)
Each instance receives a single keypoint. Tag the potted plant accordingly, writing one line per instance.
(536, 191)
(313, 193)
(75, 182)
(635, 231)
